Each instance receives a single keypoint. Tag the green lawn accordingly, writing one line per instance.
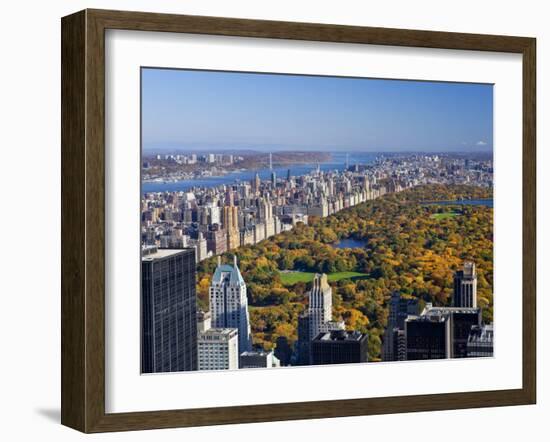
(444, 215)
(290, 278)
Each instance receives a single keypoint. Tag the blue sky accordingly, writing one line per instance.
(184, 109)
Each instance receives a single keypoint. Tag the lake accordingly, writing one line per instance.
(481, 202)
(350, 243)
(337, 163)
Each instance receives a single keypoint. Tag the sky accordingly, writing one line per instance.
(187, 109)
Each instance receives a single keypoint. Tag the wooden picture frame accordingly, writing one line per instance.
(83, 219)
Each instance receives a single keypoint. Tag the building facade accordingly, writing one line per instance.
(168, 310)
(339, 347)
(480, 341)
(465, 286)
(229, 304)
(428, 337)
(218, 349)
(316, 319)
(304, 341)
(440, 332)
(320, 305)
(399, 309)
(204, 321)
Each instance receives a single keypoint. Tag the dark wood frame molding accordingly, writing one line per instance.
(83, 216)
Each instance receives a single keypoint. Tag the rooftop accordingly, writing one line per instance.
(218, 333)
(340, 335)
(256, 353)
(152, 253)
(431, 310)
(228, 273)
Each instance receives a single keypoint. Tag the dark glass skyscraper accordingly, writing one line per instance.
(339, 347)
(440, 332)
(393, 340)
(304, 340)
(168, 310)
(428, 337)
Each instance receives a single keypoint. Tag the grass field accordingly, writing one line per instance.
(290, 278)
(444, 215)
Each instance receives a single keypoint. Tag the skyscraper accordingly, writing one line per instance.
(304, 340)
(168, 310)
(465, 286)
(440, 332)
(339, 347)
(399, 309)
(317, 318)
(320, 305)
(428, 337)
(256, 184)
(228, 302)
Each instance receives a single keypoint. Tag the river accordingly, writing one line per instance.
(337, 163)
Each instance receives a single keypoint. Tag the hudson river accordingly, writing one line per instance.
(337, 162)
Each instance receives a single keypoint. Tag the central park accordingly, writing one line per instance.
(406, 245)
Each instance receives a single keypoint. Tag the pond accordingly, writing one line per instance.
(480, 202)
(350, 243)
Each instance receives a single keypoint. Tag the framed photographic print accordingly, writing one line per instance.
(266, 220)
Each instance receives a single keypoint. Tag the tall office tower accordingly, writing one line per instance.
(465, 286)
(399, 345)
(168, 310)
(288, 175)
(228, 302)
(316, 319)
(303, 344)
(424, 333)
(399, 309)
(462, 321)
(339, 347)
(230, 217)
(218, 349)
(273, 179)
(480, 341)
(231, 225)
(256, 183)
(428, 337)
(258, 359)
(320, 305)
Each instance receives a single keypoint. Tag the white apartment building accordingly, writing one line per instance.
(228, 302)
(218, 349)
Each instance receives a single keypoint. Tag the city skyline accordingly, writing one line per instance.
(301, 269)
(306, 243)
(198, 110)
